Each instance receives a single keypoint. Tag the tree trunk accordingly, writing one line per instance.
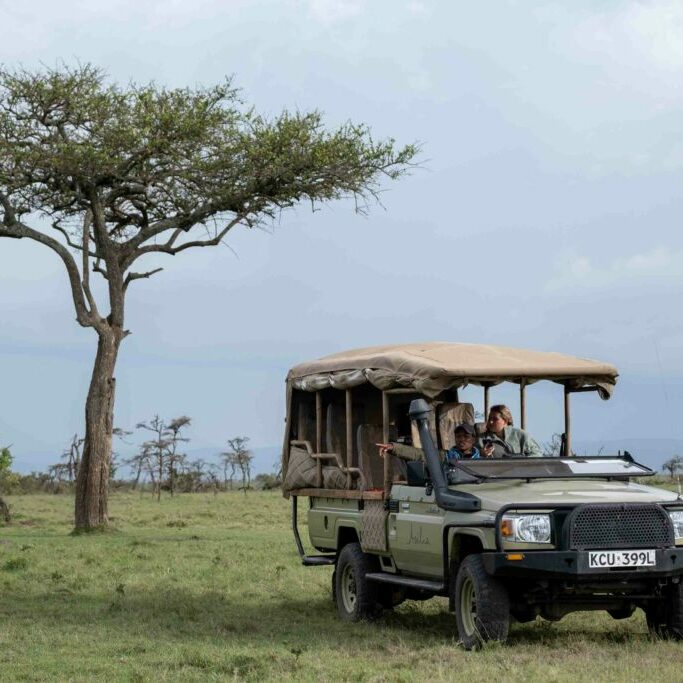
(92, 481)
(161, 475)
(137, 476)
(5, 512)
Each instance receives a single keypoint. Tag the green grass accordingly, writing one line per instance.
(205, 587)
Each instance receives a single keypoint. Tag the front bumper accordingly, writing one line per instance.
(572, 564)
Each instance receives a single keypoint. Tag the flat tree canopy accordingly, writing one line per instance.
(122, 172)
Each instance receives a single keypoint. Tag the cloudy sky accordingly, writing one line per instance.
(546, 213)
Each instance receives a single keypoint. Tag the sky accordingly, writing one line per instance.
(545, 213)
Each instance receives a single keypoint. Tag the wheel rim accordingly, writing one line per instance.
(348, 589)
(468, 607)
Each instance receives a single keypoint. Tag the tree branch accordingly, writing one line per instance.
(10, 215)
(138, 276)
(181, 223)
(97, 268)
(169, 247)
(19, 230)
(87, 220)
(68, 239)
(110, 255)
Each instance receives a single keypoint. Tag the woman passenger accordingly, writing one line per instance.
(503, 439)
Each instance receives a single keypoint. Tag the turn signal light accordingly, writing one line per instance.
(507, 528)
(514, 556)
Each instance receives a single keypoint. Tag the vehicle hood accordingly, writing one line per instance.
(545, 492)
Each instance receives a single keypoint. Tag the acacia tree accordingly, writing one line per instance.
(138, 463)
(154, 451)
(6, 460)
(122, 174)
(240, 456)
(229, 462)
(673, 465)
(72, 455)
(174, 459)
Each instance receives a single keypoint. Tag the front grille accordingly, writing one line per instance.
(624, 525)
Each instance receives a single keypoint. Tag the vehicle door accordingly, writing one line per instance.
(414, 530)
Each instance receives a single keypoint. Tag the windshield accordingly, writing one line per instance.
(551, 468)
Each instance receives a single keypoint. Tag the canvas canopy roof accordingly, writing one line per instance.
(433, 367)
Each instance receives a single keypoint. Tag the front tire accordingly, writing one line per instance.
(482, 605)
(665, 616)
(356, 597)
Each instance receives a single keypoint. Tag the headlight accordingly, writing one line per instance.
(677, 521)
(527, 528)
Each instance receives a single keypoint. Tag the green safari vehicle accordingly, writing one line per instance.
(503, 538)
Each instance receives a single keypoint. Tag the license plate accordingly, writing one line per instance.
(609, 559)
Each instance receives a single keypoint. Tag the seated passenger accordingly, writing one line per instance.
(464, 447)
(503, 439)
(464, 444)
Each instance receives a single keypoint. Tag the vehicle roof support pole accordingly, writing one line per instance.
(567, 422)
(319, 438)
(486, 402)
(522, 403)
(388, 465)
(349, 437)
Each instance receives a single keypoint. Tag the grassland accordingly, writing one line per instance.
(204, 587)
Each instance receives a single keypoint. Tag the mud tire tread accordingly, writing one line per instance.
(493, 605)
(367, 607)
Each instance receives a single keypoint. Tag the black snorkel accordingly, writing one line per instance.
(445, 498)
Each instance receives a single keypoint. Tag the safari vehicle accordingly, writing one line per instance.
(502, 538)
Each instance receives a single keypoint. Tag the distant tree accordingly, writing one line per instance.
(266, 482)
(6, 460)
(122, 174)
(673, 466)
(175, 459)
(214, 478)
(553, 447)
(277, 471)
(58, 472)
(146, 452)
(138, 463)
(154, 451)
(196, 470)
(72, 455)
(229, 463)
(114, 466)
(242, 457)
(274, 480)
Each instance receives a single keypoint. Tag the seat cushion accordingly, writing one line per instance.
(301, 470)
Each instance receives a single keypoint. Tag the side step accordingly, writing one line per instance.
(317, 560)
(307, 560)
(408, 582)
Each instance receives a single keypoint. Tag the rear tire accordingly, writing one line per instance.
(482, 605)
(665, 616)
(357, 598)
